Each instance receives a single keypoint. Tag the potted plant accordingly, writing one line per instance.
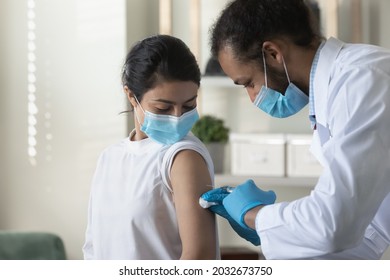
(214, 134)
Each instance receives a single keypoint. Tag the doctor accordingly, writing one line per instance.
(274, 50)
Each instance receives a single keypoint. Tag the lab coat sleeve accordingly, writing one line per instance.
(356, 174)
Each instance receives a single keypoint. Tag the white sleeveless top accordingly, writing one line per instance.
(131, 211)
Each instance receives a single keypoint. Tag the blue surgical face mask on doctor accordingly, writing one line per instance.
(167, 129)
(276, 104)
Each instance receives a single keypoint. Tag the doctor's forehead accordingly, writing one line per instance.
(237, 70)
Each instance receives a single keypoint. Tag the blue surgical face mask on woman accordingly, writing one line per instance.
(276, 104)
(167, 129)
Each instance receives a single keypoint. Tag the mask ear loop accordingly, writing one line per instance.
(285, 69)
(136, 115)
(136, 99)
(265, 69)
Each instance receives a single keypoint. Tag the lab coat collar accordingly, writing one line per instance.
(328, 55)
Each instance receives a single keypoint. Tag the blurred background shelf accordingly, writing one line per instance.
(266, 182)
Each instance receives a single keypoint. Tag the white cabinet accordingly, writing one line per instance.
(258, 154)
(300, 162)
(270, 182)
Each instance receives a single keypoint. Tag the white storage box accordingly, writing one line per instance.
(300, 161)
(258, 154)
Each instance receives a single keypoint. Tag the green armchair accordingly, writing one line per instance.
(31, 246)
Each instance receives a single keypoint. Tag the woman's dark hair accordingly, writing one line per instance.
(244, 25)
(156, 59)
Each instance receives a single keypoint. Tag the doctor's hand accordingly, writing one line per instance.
(244, 198)
(249, 195)
(213, 200)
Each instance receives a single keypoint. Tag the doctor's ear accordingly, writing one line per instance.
(272, 52)
(130, 96)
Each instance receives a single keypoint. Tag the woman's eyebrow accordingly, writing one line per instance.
(192, 98)
(172, 102)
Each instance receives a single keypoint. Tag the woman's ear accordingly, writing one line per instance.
(130, 96)
(273, 53)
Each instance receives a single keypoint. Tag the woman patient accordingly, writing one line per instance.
(145, 190)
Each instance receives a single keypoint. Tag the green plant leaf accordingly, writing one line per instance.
(210, 129)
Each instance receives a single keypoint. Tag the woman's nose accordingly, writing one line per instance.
(177, 112)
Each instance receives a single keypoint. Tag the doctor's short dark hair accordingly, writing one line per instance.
(244, 25)
(157, 59)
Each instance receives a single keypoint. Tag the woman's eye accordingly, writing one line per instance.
(189, 107)
(162, 110)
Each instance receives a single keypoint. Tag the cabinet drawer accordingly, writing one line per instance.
(300, 161)
(258, 154)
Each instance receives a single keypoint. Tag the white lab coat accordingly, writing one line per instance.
(347, 215)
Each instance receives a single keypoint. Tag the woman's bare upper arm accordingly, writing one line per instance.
(190, 178)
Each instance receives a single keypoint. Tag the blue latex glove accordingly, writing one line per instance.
(216, 197)
(245, 197)
(213, 200)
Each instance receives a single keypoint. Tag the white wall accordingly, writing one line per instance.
(142, 20)
(79, 49)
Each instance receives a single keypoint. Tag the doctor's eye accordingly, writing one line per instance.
(249, 85)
